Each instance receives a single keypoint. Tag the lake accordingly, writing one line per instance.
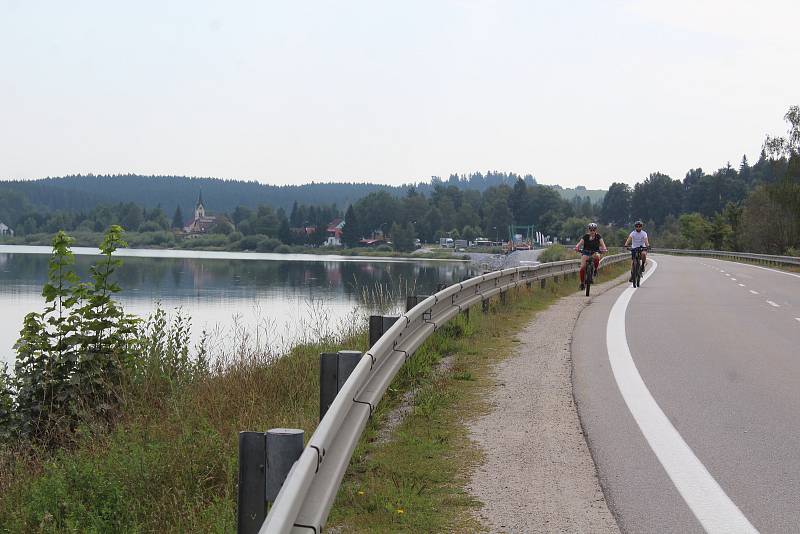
(276, 299)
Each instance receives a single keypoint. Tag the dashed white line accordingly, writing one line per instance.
(734, 279)
(754, 292)
(741, 285)
(774, 305)
(704, 496)
(798, 318)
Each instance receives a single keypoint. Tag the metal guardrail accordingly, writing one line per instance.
(307, 495)
(776, 260)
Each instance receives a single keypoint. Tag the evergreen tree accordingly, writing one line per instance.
(177, 219)
(351, 232)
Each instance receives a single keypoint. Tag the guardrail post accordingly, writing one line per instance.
(284, 447)
(485, 305)
(334, 368)
(413, 300)
(502, 297)
(543, 283)
(378, 325)
(252, 509)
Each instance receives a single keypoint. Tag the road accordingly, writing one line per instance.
(501, 261)
(690, 397)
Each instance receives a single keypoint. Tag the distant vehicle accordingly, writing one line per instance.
(461, 243)
(522, 246)
(549, 243)
(483, 243)
(446, 242)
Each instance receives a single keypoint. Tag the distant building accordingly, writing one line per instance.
(202, 223)
(334, 233)
(5, 230)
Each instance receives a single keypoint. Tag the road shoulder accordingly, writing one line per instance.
(538, 473)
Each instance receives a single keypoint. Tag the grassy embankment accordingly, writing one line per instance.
(170, 463)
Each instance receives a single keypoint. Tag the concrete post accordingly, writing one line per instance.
(284, 447)
(328, 380)
(334, 369)
(378, 325)
(252, 509)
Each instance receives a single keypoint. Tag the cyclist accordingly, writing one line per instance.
(638, 239)
(590, 245)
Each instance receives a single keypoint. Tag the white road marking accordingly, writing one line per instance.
(721, 271)
(726, 274)
(707, 500)
(773, 304)
(741, 285)
(765, 269)
(734, 279)
(798, 318)
(754, 292)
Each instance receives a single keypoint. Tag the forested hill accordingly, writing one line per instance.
(84, 192)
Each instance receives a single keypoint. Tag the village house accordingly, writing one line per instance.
(202, 223)
(5, 230)
(334, 233)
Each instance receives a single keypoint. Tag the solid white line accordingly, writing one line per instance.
(798, 318)
(707, 500)
(773, 304)
(764, 268)
(754, 292)
(741, 285)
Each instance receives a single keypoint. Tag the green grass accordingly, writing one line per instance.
(170, 464)
(416, 481)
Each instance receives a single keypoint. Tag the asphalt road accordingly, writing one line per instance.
(715, 346)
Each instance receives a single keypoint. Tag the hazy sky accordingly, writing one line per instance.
(287, 92)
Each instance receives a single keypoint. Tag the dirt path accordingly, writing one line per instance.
(538, 474)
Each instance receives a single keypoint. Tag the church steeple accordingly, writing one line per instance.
(199, 210)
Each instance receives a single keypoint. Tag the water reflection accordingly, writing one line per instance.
(218, 293)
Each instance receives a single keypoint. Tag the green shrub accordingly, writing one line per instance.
(557, 253)
(268, 244)
(72, 358)
(283, 249)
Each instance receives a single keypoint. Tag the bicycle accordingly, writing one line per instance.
(637, 267)
(588, 278)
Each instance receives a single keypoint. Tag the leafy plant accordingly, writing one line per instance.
(72, 357)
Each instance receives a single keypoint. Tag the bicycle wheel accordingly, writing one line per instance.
(635, 273)
(638, 278)
(589, 276)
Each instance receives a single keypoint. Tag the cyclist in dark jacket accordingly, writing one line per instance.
(591, 244)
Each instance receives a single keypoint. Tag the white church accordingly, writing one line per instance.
(201, 223)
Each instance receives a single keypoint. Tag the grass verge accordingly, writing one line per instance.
(416, 481)
(170, 464)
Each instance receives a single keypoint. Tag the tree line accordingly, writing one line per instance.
(753, 207)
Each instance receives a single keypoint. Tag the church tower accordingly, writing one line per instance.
(199, 210)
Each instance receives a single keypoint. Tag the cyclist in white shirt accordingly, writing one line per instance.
(638, 239)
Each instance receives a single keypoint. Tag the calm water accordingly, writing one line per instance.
(278, 297)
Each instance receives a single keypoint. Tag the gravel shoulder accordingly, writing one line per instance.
(538, 474)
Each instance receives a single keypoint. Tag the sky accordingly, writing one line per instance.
(575, 93)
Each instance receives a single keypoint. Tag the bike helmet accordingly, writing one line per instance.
(638, 223)
(592, 226)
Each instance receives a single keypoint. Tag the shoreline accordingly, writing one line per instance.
(226, 255)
